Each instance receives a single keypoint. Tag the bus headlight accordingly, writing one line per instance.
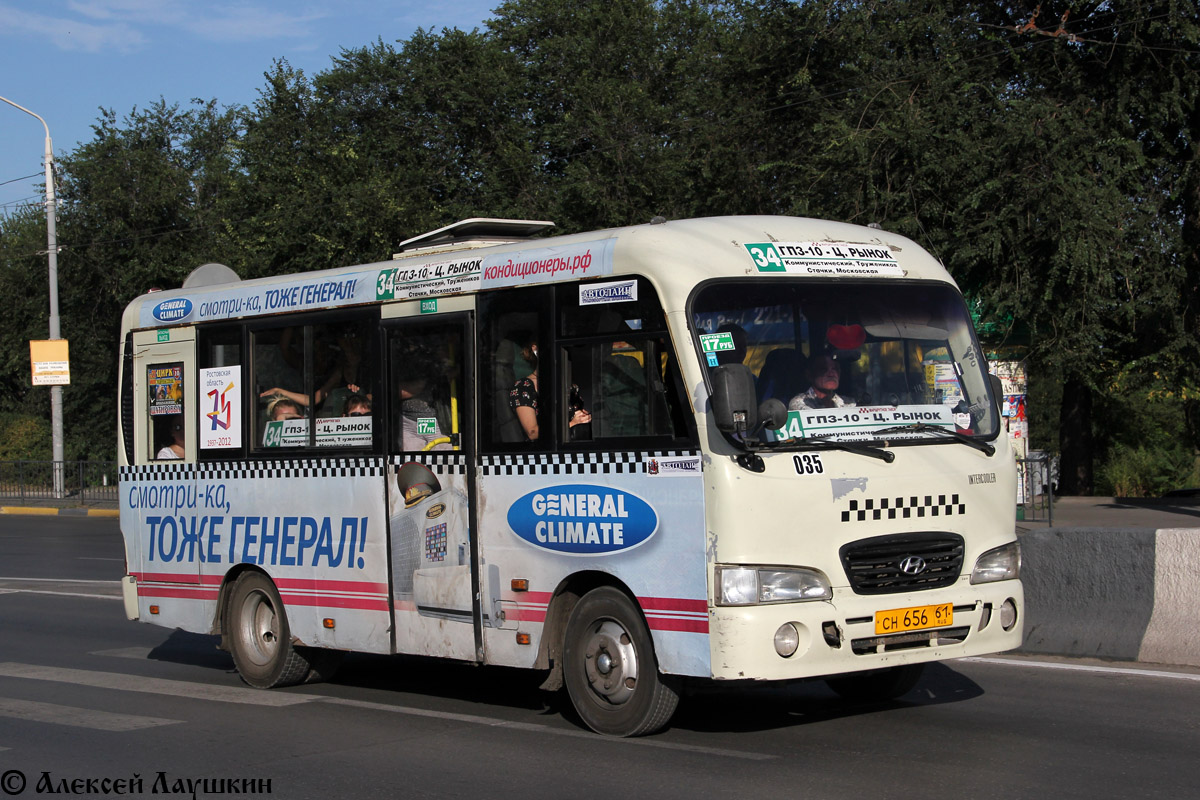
(747, 586)
(998, 564)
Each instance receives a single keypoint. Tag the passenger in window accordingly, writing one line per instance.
(419, 426)
(623, 390)
(357, 405)
(176, 448)
(524, 399)
(336, 357)
(283, 407)
(822, 371)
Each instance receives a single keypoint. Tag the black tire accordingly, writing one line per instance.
(259, 637)
(610, 670)
(877, 685)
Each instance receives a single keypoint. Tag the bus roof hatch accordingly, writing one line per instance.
(474, 232)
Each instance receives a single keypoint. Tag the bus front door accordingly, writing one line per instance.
(429, 499)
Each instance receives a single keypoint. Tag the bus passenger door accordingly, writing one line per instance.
(162, 506)
(430, 448)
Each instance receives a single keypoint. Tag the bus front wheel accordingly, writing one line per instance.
(259, 637)
(610, 670)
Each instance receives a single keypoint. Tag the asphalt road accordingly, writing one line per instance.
(86, 695)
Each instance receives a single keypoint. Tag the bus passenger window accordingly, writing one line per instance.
(310, 385)
(164, 394)
(515, 370)
(220, 387)
(428, 399)
(620, 363)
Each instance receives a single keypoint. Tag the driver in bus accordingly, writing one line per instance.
(824, 375)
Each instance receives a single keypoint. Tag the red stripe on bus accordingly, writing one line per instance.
(674, 604)
(166, 577)
(527, 614)
(676, 624)
(331, 586)
(180, 593)
(324, 601)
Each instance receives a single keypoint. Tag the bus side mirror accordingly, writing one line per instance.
(997, 391)
(734, 401)
(773, 413)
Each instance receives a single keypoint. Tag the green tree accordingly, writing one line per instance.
(139, 211)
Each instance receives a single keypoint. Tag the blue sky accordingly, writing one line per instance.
(66, 59)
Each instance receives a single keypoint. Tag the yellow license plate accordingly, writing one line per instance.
(899, 620)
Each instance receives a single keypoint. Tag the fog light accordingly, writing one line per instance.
(985, 616)
(787, 639)
(1008, 614)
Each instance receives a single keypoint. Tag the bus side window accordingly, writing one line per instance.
(515, 369)
(311, 386)
(164, 396)
(222, 412)
(619, 362)
(428, 384)
(628, 388)
(278, 387)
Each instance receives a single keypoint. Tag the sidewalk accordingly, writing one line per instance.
(67, 507)
(1120, 512)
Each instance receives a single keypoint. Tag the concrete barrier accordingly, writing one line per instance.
(1120, 593)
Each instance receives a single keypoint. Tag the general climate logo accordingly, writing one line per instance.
(583, 520)
(172, 310)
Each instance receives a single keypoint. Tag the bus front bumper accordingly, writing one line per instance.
(841, 636)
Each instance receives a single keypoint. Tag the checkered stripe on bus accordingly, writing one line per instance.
(920, 506)
(234, 470)
(574, 463)
(440, 463)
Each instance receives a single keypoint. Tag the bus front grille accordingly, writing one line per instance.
(903, 562)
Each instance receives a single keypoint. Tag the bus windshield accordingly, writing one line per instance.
(853, 362)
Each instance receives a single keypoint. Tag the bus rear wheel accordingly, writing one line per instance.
(259, 637)
(610, 670)
(878, 685)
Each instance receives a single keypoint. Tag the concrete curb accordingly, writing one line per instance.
(63, 512)
(1121, 593)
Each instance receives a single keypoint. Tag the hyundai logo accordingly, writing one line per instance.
(912, 565)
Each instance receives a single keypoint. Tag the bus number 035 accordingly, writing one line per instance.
(808, 464)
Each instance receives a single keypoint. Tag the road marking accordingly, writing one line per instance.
(102, 590)
(493, 722)
(1130, 671)
(137, 683)
(78, 717)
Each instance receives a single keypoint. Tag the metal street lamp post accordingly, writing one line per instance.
(56, 422)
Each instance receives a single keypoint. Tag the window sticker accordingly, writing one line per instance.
(164, 385)
(221, 400)
(717, 342)
(616, 292)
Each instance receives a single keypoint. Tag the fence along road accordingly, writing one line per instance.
(90, 488)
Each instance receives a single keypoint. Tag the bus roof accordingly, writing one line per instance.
(694, 250)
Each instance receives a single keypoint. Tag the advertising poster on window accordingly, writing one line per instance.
(221, 405)
(164, 386)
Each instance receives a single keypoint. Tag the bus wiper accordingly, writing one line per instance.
(821, 443)
(921, 427)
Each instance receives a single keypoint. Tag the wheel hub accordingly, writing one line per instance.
(611, 664)
(260, 629)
